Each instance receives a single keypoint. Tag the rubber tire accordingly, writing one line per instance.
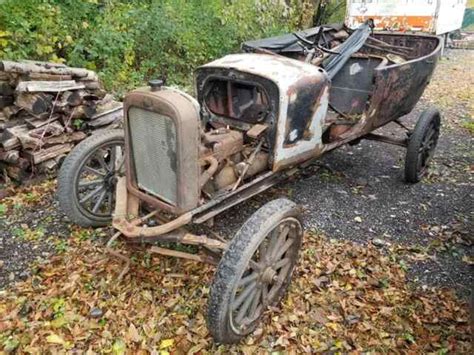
(235, 260)
(67, 177)
(416, 138)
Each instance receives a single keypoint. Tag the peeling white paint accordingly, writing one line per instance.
(293, 135)
(285, 73)
(316, 130)
(355, 68)
(282, 71)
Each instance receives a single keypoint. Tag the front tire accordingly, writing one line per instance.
(87, 179)
(255, 271)
(421, 145)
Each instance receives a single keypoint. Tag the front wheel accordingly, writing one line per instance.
(421, 145)
(87, 179)
(255, 270)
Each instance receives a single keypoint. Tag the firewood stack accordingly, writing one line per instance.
(45, 109)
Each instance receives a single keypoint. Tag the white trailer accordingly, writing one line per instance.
(431, 16)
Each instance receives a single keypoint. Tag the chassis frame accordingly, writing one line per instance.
(136, 231)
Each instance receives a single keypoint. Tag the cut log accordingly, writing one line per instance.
(23, 163)
(52, 129)
(32, 143)
(44, 77)
(10, 111)
(48, 86)
(66, 121)
(37, 157)
(83, 112)
(6, 89)
(6, 101)
(4, 76)
(36, 104)
(105, 118)
(4, 124)
(46, 68)
(39, 62)
(106, 105)
(27, 115)
(91, 98)
(16, 173)
(91, 84)
(45, 109)
(9, 139)
(103, 129)
(100, 93)
(10, 157)
(107, 99)
(75, 98)
(51, 166)
(60, 105)
(35, 122)
(48, 167)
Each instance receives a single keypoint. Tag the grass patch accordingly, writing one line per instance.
(469, 125)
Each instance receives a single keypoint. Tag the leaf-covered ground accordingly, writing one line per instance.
(344, 297)
(378, 272)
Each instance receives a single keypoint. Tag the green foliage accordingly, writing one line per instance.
(467, 124)
(335, 11)
(331, 11)
(128, 42)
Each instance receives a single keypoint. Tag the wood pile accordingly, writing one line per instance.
(45, 109)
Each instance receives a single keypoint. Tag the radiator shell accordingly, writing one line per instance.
(162, 146)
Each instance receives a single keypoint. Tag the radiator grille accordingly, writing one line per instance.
(153, 146)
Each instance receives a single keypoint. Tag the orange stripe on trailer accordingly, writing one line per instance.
(400, 23)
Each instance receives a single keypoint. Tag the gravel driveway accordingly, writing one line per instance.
(356, 193)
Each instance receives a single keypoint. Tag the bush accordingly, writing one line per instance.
(128, 42)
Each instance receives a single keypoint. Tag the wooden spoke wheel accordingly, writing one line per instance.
(87, 179)
(255, 271)
(421, 145)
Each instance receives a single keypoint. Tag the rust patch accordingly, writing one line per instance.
(303, 101)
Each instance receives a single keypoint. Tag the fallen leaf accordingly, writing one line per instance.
(166, 343)
(119, 347)
(54, 339)
(133, 333)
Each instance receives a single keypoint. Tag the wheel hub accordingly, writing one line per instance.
(268, 275)
(110, 180)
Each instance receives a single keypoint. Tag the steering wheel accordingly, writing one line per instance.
(315, 44)
(308, 47)
(304, 40)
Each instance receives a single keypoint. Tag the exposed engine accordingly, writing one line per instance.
(179, 160)
(226, 161)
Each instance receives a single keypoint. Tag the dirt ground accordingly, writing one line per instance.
(354, 199)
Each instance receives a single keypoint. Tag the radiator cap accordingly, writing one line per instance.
(155, 84)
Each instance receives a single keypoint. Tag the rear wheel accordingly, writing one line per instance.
(421, 145)
(88, 176)
(255, 271)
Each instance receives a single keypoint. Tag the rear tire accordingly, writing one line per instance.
(255, 271)
(421, 145)
(96, 149)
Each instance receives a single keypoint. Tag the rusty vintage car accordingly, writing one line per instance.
(259, 116)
